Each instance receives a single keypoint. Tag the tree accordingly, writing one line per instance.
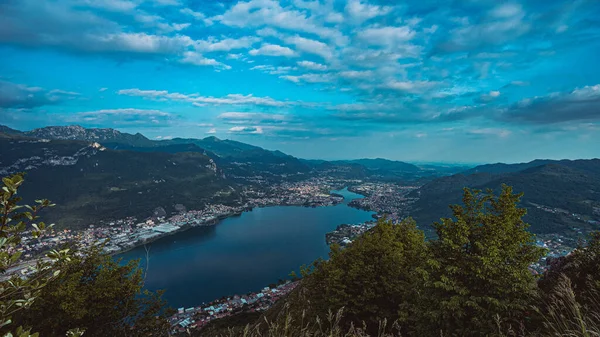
(480, 269)
(16, 293)
(96, 292)
(375, 278)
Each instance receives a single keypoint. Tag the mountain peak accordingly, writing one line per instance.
(212, 139)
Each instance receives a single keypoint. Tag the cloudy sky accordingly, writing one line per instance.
(455, 81)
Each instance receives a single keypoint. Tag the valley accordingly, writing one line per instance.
(149, 200)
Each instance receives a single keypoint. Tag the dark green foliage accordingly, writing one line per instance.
(480, 270)
(372, 279)
(582, 267)
(476, 271)
(105, 185)
(18, 294)
(98, 294)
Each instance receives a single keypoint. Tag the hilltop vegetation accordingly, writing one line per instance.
(67, 292)
(565, 186)
(90, 183)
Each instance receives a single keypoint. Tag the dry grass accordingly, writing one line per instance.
(567, 317)
(563, 316)
(329, 326)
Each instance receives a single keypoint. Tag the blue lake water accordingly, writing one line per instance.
(241, 254)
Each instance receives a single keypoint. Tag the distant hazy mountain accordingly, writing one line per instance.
(90, 183)
(6, 130)
(507, 168)
(572, 186)
(385, 169)
(380, 164)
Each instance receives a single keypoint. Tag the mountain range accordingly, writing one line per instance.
(104, 174)
(99, 174)
(240, 161)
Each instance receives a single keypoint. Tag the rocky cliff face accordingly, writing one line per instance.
(76, 132)
(45, 155)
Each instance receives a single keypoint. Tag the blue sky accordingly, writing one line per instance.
(455, 81)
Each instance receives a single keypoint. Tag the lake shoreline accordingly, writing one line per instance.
(216, 222)
(240, 255)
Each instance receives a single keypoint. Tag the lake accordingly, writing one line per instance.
(241, 254)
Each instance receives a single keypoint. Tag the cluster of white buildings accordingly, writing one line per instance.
(197, 317)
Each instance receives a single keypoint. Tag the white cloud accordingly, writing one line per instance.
(309, 78)
(354, 74)
(260, 13)
(211, 131)
(506, 10)
(254, 130)
(251, 117)
(198, 100)
(386, 36)
(310, 46)
(503, 133)
(269, 69)
(585, 93)
(334, 17)
(272, 50)
(312, 65)
(503, 23)
(126, 111)
(409, 86)
(196, 15)
(140, 43)
(268, 31)
(228, 44)
(519, 83)
(197, 59)
(102, 89)
(155, 21)
(360, 11)
(491, 96)
(63, 92)
(234, 56)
